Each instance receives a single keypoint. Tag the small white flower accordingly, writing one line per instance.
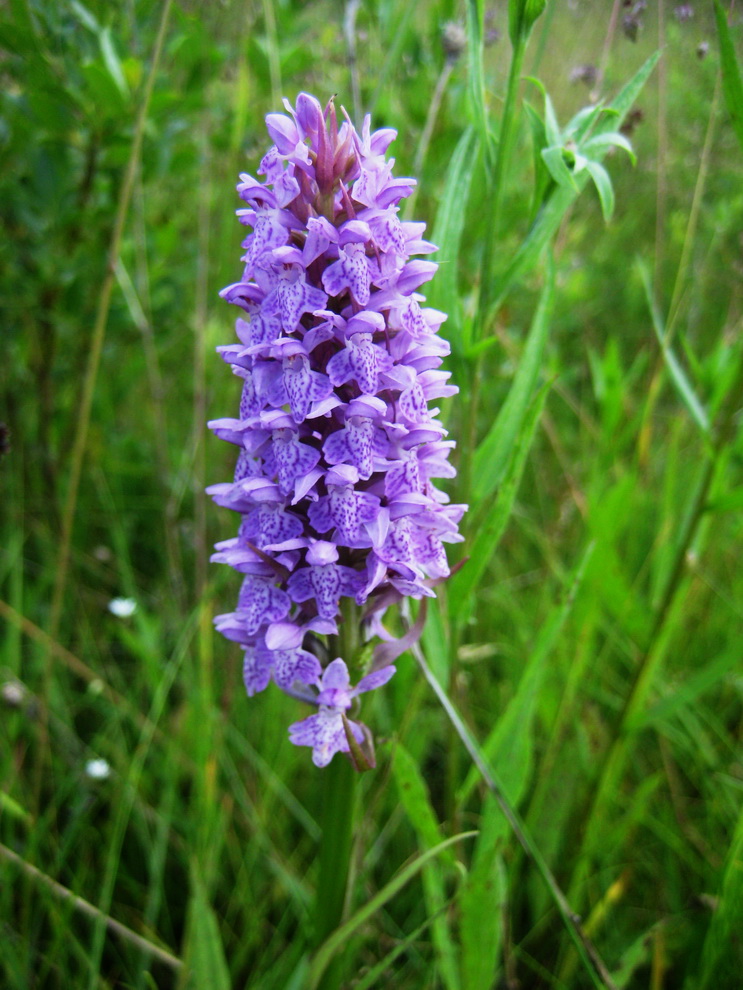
(98, 769)
(13, 694)
(122, 608)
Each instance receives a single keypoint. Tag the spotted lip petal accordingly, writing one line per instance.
(339, 361)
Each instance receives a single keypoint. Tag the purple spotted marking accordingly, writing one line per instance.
(261, 602)
(293, 458)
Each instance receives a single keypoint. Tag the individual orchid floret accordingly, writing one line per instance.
(338, 443)
(325, 732)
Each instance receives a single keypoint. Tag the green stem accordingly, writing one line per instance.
(340, 793)
(496, 188)
(339, 801)
(339, 807)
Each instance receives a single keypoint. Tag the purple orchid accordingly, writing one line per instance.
(339, 359)
(325, 731)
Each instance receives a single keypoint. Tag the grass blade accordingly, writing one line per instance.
(509, 745)
(475, 13)
(482, 902)
(678, 376)
(722, 942)
(731, 79)
(205, 964)
(86, 908)
(370, 979)
(491, 456)
(328, 949)
(415, 799)
(447, 233)
(464, 582)
(687, 693)
(593, 963)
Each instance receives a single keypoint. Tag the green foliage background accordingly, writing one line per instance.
(597, 655)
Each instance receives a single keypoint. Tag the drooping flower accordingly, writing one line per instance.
(325, 731)
(339, 359)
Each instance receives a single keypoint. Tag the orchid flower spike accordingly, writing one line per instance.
(339, 450)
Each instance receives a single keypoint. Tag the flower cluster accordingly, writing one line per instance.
(338, 446)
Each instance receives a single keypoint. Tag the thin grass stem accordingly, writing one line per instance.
(614, 761)
(502, 158)
(661, 167)
(593, 962)
(149, 949)
(427, 133)
(274, 61)
(700, 185)
(91, 373)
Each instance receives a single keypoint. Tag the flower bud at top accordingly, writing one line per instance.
(521, 17)
(453, 40)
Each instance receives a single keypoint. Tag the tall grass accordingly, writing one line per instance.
(557, 801)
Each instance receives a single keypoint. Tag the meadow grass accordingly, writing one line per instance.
(557, 801)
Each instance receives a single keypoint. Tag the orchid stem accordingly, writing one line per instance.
(338, 814)
(340, 793)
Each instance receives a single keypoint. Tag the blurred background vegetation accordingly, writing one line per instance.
(199, 833)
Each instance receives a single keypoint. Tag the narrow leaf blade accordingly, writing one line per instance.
(339, 937)
(678, 375)
(465, 581)
(491, 456)
(731, 76)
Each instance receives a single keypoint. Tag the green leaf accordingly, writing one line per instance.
(447, 233)
(112, 63)
(435, 641)
(542, 178)
(612, 139)
(678, 376)
(554, 159)
(639, 953)
(102, 96)
(482, 901)
(341, 935)
(491, 456)
(10, 806)
(475, 14)
(582, 122)
(416, 802)
(205, 966)
(86, 17)
(720, 956)
(464, 582)
(551, 127)
(731, 76)
(687, 693)
(603, 186)
(415, 799)
(731, 501)
(509, 747)
(562, 198)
